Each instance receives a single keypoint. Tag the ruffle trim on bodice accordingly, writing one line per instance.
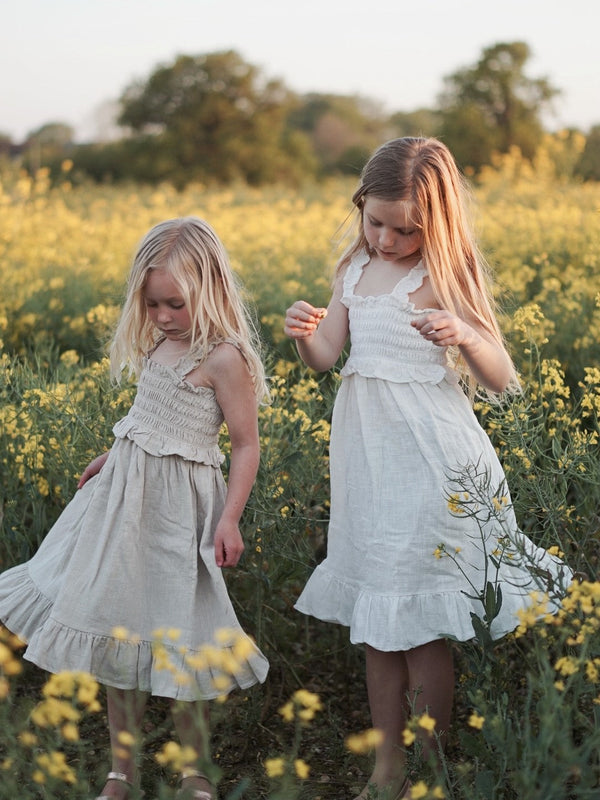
(123, 664)
(397, 372)
(170, 416)
(383, 342)
(164, 445)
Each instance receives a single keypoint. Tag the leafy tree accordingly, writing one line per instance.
(214, 116)
(343, 130)
(494, 106)
(588, 166)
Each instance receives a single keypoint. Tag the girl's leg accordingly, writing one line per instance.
(431, 686)
(424, 674)
(125, 713)
(387, 687)
(192, 725)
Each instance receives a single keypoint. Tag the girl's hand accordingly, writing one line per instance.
(93, 468)
(229, 545)
(488, 360)
(444, 329)
(302, 320)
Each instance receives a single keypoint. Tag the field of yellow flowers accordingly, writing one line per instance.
(527, 709)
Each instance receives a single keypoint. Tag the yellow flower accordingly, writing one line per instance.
(242, 648)
(408, 737)
(426, 722)
(287, 711)
(70, 732)
(28, 739)
(38, 777)
(308, 699)
(55, 766)
(302, 769)
(221, 683)
(126, 738)
(224, 636)
(476, 721)
(418, 790)
(363, 742)
(175, 756)
(455, 504)
(566, 665)
(274, 767)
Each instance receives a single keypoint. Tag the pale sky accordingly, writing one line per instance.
(64, 60)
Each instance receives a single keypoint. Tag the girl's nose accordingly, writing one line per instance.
(164, 315)
(386, 236)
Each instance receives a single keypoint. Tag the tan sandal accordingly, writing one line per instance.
(194, 794)
(122, 778)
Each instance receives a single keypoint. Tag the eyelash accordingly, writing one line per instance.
(174, 307)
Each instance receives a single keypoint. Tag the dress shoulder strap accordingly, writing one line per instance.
(412, 281)
(197, 355)
(354, 271)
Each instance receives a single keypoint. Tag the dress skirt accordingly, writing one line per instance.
(404, 563)
(127, 576)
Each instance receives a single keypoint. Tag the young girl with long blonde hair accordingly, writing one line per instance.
(140, 547)
(412, 294)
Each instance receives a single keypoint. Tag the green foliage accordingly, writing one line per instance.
(588, 166)
(494, 106)
(214, 119)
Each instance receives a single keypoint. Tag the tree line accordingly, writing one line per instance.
(215, 118)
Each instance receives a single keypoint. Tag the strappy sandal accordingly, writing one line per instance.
(122, 778)
(194, 794)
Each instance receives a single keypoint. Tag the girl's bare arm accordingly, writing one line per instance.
(227, 372)
(320, 334)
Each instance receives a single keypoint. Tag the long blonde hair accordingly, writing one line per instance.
(190, 251)
(423, 172)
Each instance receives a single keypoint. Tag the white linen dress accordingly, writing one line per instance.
(402, 431)
(134, 550)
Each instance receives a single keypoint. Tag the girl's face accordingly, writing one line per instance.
(389, 230)
(166, 306)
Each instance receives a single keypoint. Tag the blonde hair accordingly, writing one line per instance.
(190, 251)
(423, 173)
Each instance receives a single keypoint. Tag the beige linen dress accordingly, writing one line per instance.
(402, 431)
(134, 550)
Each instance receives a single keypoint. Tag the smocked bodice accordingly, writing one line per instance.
(170, 416)
(383, 342)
